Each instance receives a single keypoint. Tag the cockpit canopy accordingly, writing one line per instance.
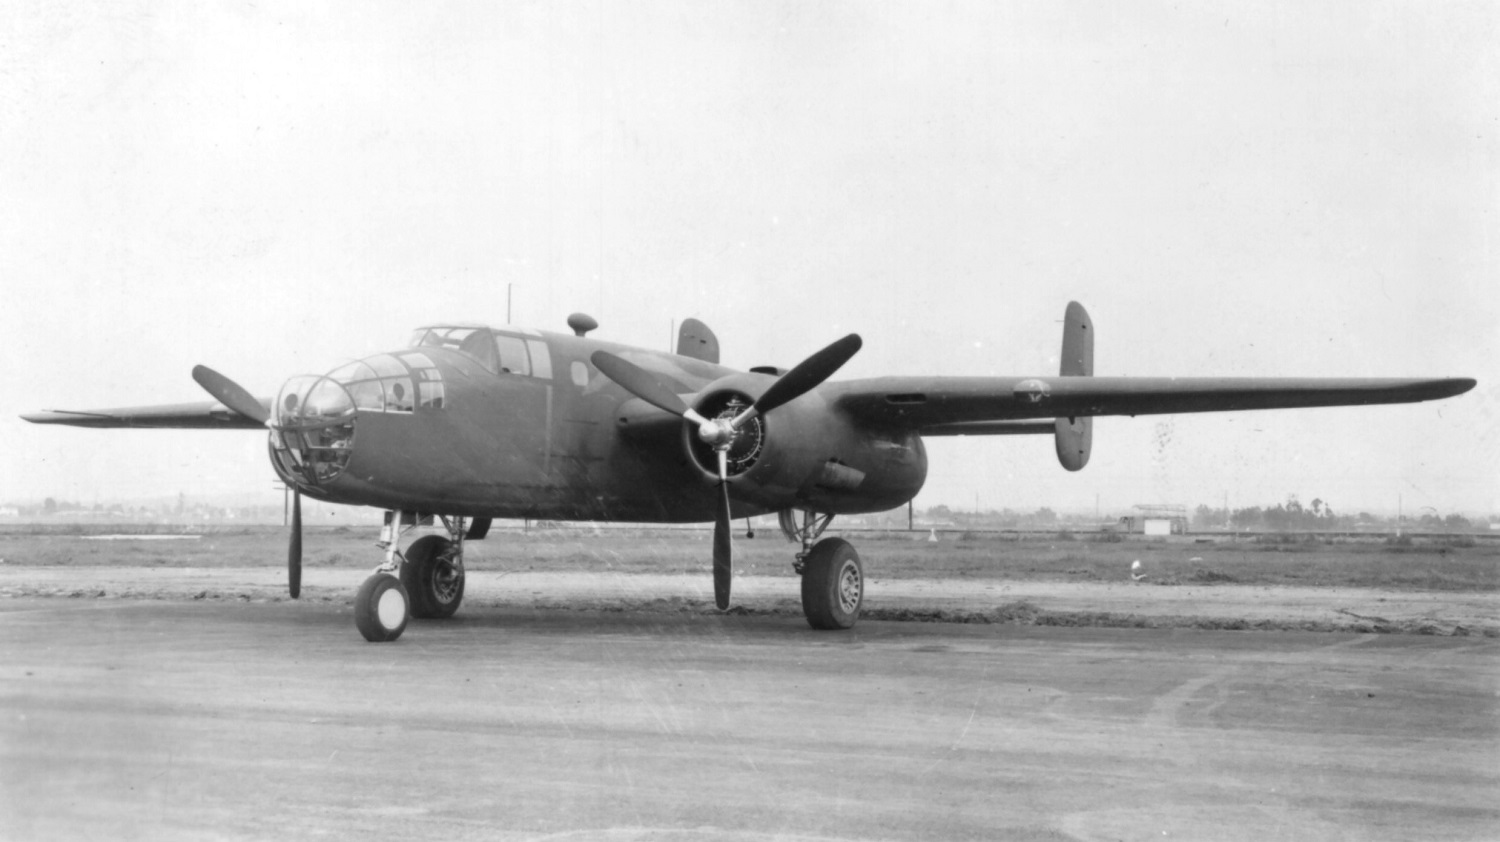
(503, 352)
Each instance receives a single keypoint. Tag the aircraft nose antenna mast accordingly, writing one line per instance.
(720, 432)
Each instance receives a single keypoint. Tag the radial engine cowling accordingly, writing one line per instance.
(806, 454)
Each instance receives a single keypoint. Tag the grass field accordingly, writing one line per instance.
(1422, 564)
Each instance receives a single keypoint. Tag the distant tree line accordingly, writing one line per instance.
(1289, 516)
(1292, 516)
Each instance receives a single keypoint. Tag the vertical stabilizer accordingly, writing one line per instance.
(1075, 436)
(695, 340)
(1078, 342)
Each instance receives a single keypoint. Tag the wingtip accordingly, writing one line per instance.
(61, 416)
(1437, 389)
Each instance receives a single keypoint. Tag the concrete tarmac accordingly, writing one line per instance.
(143, 719)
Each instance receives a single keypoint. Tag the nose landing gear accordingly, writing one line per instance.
(427, 581)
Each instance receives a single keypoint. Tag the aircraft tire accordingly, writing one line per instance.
(381, 608)
(833, 585)
(435, 584)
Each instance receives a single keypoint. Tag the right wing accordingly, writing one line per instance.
(204, 415)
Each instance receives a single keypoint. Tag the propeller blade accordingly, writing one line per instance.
(230, 393)
(723, 548)
(644, 385)
(805, 376)
(294, 548)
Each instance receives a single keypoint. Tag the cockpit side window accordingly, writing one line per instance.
(541, 360)
(398, 395)
(512, 353)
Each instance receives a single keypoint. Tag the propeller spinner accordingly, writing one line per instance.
(720, 432)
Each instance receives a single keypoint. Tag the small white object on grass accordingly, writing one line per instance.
(933, 537)
(1135, 571)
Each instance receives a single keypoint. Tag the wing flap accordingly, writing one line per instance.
(938, 403)
(203, 415)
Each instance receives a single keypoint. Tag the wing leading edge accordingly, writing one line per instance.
(998, 405)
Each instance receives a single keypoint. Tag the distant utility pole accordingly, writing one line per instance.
(507, 302)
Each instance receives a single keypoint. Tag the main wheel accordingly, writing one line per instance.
(381, 608)
(433, 577)
(833, 585)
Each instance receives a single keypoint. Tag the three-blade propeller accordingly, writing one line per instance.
(721, 432)
(237, 398)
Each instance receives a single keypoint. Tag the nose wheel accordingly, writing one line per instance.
(381, 608)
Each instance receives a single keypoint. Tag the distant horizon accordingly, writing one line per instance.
(273, 499)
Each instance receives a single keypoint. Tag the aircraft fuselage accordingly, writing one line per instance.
(543, 434)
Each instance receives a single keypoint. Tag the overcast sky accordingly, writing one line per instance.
(1246, 189)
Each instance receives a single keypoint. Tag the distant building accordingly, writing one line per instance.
(1149, 519)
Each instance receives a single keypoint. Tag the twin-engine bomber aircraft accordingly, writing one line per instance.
(470, 423)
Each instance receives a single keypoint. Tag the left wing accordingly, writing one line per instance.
(995, 405)
(204, 415)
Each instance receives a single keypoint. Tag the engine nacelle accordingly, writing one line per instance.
(807, 454)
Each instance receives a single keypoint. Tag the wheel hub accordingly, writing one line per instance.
(391, 609)
(851, 588)
(446, 579)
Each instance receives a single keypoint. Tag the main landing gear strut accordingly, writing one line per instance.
(427, 581)
(833, 580)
